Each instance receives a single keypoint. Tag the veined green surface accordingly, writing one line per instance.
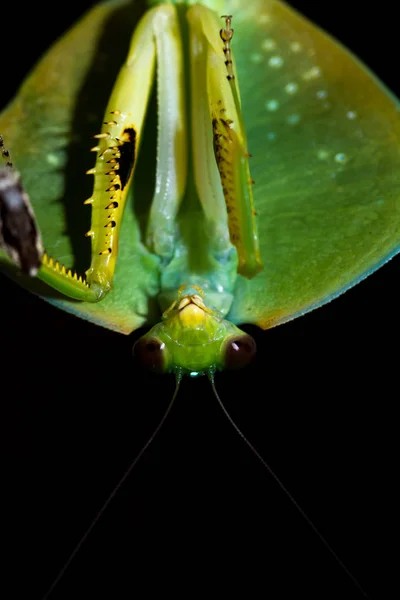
(325, 143)
(327, 188)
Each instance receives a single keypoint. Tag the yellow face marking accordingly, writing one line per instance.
(192, 311)
(192, 316)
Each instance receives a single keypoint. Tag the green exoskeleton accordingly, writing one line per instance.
(325, 141)
(202, 163)
(324, 137)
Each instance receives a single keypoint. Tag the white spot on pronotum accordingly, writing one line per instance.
(291, 88)
(351, 115)
(323, 154)
(268, 45)
(276, 62)
(293, 119)
(256, 58)
(53, 159)
(341, 158)
(312, 73)
(321, 94)
(272, 105)
(296, 47)
(271, 136)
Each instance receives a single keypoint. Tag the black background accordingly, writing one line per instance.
(199, 510)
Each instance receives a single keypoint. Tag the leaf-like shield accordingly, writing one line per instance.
(324, 138)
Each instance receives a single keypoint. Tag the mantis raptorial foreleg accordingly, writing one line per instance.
(156, 37)
(210, 117)
(213, 70)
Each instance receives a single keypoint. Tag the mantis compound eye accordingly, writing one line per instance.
(239, 351)
(151, 353)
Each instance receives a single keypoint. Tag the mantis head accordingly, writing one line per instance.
(195, 340)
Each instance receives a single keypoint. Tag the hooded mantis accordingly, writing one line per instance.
(109, 385)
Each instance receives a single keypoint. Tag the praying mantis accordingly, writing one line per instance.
(86, 361)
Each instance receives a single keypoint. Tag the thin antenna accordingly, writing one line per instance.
(286, 491)
(113, 493)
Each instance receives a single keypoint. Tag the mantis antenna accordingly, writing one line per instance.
(113, 493)
(285, 490)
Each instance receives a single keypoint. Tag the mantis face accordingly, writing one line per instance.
(194, 339)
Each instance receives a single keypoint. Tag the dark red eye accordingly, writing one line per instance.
(151, 354)
(239, 351)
